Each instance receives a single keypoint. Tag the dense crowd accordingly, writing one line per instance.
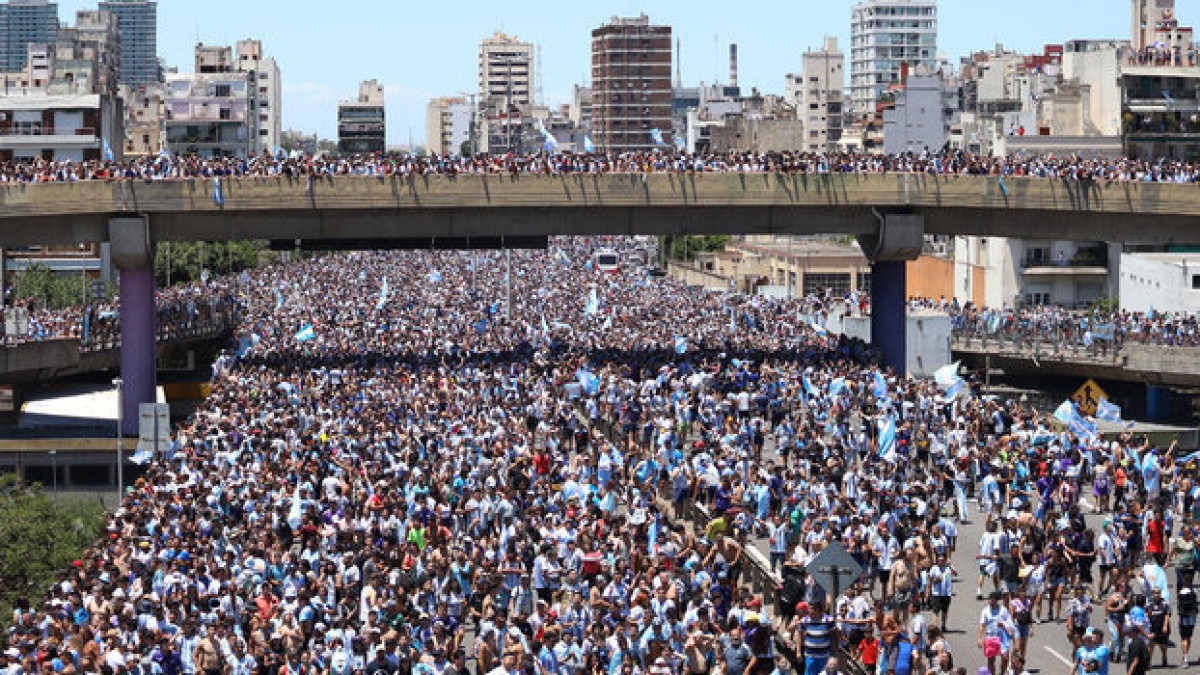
(399, 472)
(949, 162)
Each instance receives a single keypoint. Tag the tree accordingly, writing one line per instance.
(181, 262)
(41, 537)
(41, 287)
(685, 248)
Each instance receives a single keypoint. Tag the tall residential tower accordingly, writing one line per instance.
(137, 21)
(506, 86)
(884, 35)
(22, 23)
(631, 85)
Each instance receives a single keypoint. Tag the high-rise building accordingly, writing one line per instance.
(138, 23)
(362, 123)
(506, 87)
(817, 93)
(1146, 16)
(448, 126)
(87, 55)
(22, 23)
(885, 35)
(631, 85)
(267, 94)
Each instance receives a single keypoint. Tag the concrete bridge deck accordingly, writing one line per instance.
(363, 207)
(1157, 365)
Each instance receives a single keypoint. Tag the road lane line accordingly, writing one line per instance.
(1056, 655)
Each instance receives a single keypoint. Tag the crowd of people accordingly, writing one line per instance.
(948, 162)
(400, 471)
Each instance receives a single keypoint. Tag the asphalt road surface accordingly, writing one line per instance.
(1049, 648)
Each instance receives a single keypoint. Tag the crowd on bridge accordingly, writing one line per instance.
(425, 462)
(945, 163)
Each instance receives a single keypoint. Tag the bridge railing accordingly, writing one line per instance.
(1037, 340)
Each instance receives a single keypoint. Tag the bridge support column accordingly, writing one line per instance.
(1158, 403)
(132, 251)
(899, 238)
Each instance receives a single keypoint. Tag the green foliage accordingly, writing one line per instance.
(181, 262)
(686, 247)
(1106, 304)
(41, 537)
(43, 288)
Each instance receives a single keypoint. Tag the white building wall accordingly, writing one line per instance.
(1100, 69)
(1160, 281)
(916, 124)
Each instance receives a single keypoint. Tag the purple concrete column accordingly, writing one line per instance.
(138, 331)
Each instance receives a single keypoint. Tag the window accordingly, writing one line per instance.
(221, 91)
(1196, 282)
(864, 282)
(226, 114)
(835, 283)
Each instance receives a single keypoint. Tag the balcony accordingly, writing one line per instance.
(46, 137)
(1086, 262)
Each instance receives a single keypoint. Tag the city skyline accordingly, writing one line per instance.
(323, 62)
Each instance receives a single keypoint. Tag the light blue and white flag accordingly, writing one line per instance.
(278, 299)
(588, 147)
(588, 380)
(879, 386)
(563, 257)
(1108, 411)
(218, 192)
(142, 456)
(887, 440)
(550, 142)
(434, 277)
(837, 386)
(108, 153)
(295, 514)
(681, 344)
(305, 334)
(657, 136)
(593, 304)
(946, 375)
(680, 144)
(384, 292)
(810, 388)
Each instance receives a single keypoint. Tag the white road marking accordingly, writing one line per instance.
(1058, 656)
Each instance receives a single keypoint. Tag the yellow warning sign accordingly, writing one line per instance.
(1087, 397)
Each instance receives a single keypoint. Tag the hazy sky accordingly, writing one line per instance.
(422, 49)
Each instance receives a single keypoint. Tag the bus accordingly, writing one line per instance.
(606, 260)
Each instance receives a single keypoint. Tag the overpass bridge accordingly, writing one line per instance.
(889, 213)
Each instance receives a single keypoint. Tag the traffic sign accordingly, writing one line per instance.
(1087, 397)
(833, 569)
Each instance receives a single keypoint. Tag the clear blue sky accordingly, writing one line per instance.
(424, 48)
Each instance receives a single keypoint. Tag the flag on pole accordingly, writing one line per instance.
(434, 277)
(657, 136)
(946, 375)
(593, 304)
(108, 153)
(218, 193)
(810, 388)
(1108, 411)
(837, 386)
(305, 334)
(588, 380)
(384, 292)
(563, 258)
(588, 147)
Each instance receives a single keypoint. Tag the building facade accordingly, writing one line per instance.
(506, 92)
(144, 106)
(362, 123)
(209, 114)
(1146, 15)
(41, 125)
(87, 55)
(631, 85)
(448, 126)
(817, 93)
(884, 35)
(22, 23)
(267, 94)
(137, 21)
(918, 122)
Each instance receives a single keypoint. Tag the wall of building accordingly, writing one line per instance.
(1098, 67)
(1160, 281)
(917, 123)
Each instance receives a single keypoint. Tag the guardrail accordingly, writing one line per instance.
(1039, 341)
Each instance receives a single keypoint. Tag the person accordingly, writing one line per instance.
(995, 627)
(1137, 653)
(1022, 611)
(735, 654)
(1091, 656)
(1188, 608)
(1079, 616)
(817, 632)
(867, 650)
(1159, 612)
(941, 589)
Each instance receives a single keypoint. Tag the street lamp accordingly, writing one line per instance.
(54, 469)
(118, 382)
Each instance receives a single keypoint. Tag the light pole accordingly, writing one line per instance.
(54, 470)
(118, 382)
